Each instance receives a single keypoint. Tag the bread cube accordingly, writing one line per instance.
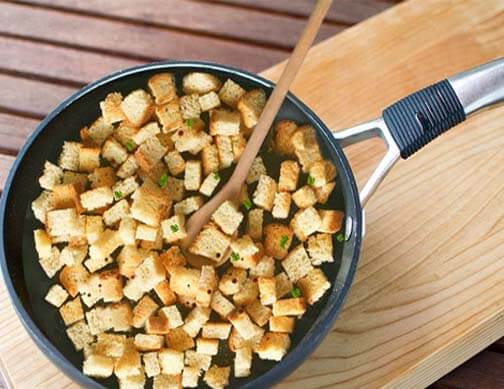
(79, 335)
(258, 312)
(190, 377)
(238, 143)
(145, 342)
(114, 152)
(123, 133)
(97, 263)
(281, 205)
(284, 130)
(320, 249)
(215, 330)
(248, 293)
(105, 245)
(283, 324)
(98, 366)
(69, 156)
(207, 346)
(227, 217)
(72, 311)
(314, 285)
(243, 362)
(235, 341)
(51, 264)
(56, 295)
(124, 188)
(41, 205)
(324, 192)
(157, 325)
(171, 361)
(206, 286)
(144, 309)
(111, 108)
(241, 321)
(197, 360)
(217, 377)
(209, 184)
(209, 101)
(175, 162)
(65, 196)
(232, 281)
(321, 173)
(128, 260)
(170, 116)
(306, 147)
(167, 381)
(264, 194)
(273, 346)
(297, 264)
(150, 204)
(106, 285)
(72, 277)
(305, 222)
(164, 293)
(137, 107)
(184, 281)
(200, 83)
(224, 122)
(255, 224)
(264, 268)
(210, 243)
(129, 364)
(146, 132)
(283, 284)
(331, 221)
(191, 139)
(128, 168)
(304, 197)
(289, 307)
(188, 205)
(221, 304)
(102, 177)
(174, 189)
(163, 87)
(43, 243)
(190, 106)
(97, 133)
(116, 213)
(267, 290)
(225, 149)
(110, 345)
(120, 316)
(150, 153)
(256, 170)
(173, 257)
(89, 159)
(210, 159)
(172, 314)
(51, 176)
(251, 105)
(97, 198)
(151, 363)
(145, 232)
(192, 176)
(230, 93)
(277, 240)
(150, 272)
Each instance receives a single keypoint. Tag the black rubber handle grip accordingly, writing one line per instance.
(422, 116)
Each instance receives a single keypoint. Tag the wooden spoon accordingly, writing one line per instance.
(232, 189)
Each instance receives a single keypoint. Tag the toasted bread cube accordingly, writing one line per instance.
(80, 335)
(89, 159)
(69, 156)
(305, 222)
(164, 292)
(65, 196)
(150, 153)
(151, 362)
(244, 247)
(321, 173)
(225, 149)
(72, 311)
(197, 360)
(171, 361)
(97, 320)
(306, 147)
(264, 194)
(331, 221)
(172, 314)
(184, 281)
(210, 159)
(188, 205)
(128, 168)
(209, 184)
(190, 106)
(163, 87)
(191, 138)
(120, 316)
(215, 330)
(243, 362)
(145, 232)
(247, 294)
(320, 249)
(170, 116)
(224, 122)
(251, 105)
(129, 259)
(51, 264)
(175, 162)
(267, 290)
(192, 175)
(273, 346)
(179, 340)
(150, 204)
(133, 381)
(241, 321)
(221, 304)
(200, 83)
(41, 205)
(304, 197)
(239, 143)
(157, 325)
(207, 346)
(116, 213)
(106, 245)
(110, 345)
(283, 324)
(209, 101)
(138, 107)
(289, 307)
(281, 205)
(206, 286)
(190, 377)
(167, 381)
(227, 217)
(43, 243)
(78, 180)
(255, 224)
(217, 377)
(97, 198)
(256, 170)
(297, 264)
(94, 264)
(236, 342)
(150, 273)
(129, 364)
(98, 366)
(172, 258)
(230, 93)
(146, 132)
(144, 309)
(210, 243)
(314, 285)
(264, 268)
(284, 130)
(56, 295)
(232, 281)
(111, 108)
(324, 192)
(71, 255)
(106, 285)
(277, 240)
(72, 277)
(145, 342)
(175, 189)
(195, 320)
(51, 177)
(259, 313)
(124, 188)
(98, 132)
(123, 133)
(283, 284)
(102, 177)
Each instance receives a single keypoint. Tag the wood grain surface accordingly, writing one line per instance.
(429, 289)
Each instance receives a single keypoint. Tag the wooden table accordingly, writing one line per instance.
(49, 48)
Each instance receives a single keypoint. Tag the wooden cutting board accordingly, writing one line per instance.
(429, 291)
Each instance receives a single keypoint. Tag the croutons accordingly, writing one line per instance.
(297, 263)
(255, 224)
(190, 106)
(305, 222)
(178, 339)
(289, 307)
(281, 324)
(150, 204)
(200, 83)
(324, 192)
(80, 335)
(227, 217)
(172, 315)
(215, 330)
(206, 286)
(98, 366)
(69, 156)
(331, 221)
(277, 240)
(284, 130)
(221, 304)
(113, 152)
(192, 175)
(251, 105)
(97, 198)
(169, 116)
(111, 108)
(175, 162)
(143, 310)
(149, 153)
(259, 313)
(51, 177)
(224, 122)
(116, 213)
(167, 381)
(314, 285)
(163, 87)
(256, 170)
(151, 364)
(304, 197)
(147, 131)
(41, 205)
(188, 206)
(264, 194)
(306, 146)
(241, 321)
(321, 173)
(129, 364)
(230, 93)
(51, 264)
(197, 360)
(207, 346)
(273, 346)
(137, 107)
(174, 228)
(42, 243)
(210, 243)
(267, 290)
(56, 295)
(184, 281)
(320, 249)
(72, 311)
(209, 101)
(217, 377)
(171, 361)
(281, 205)
(209, 184)
(225, 149)
(165, 293)
(231, 281)
(195, 320)
(247, 294)
(145, 342)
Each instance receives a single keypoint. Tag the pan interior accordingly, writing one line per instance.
(30, 283)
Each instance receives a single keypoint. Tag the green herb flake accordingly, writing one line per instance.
(235, 256)
(283, 241)
(118, 194)
(188, 122)
(130, 145)
(296, 292)
(310, 180)
(216, 175)
(174, 228)
(247, 204)
(163, 180)
(340, 237)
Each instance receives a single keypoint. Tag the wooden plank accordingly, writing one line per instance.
(60, 63)
(201, 17)
(342, 11)
(6, 162)
(484, 371)
(139, 42)
(14, 130)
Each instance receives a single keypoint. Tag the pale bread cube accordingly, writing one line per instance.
(179, 340)
(188, 205)
(255, 224)
(137, 107)
(277, 240)
(105, 245)
(248, 293)
(210, 159)
(56, 295)
(264, 268)
(144, 309)
(171, 361)
(224, 122)
(145, 232)
(97, 198)
(165, 293)
(210, 243)
(244, 246)
(331, 221)
(151, 363)
(243, 362)
(123, 133)
(192, 139)
(283, 324)
(128, 260)
(116, 213)
(217, 377)
(297, 264)
(206, 286)
(97, 133)
(175, 189)
(283, 284)
(98, 366)
(120, 316)
(128, 168)
(72, 277)
(175, 162)
(190, 106)
(256, 170)
(150, 204)
(209, 184)
(324, 192)
(236, 342)
(102, 176)
(209, 101)
(264, 194)
(225, 149)
(147, 131)
(281, 205)
(289, 307)
(114, 152)
(130, 363)
(207, 346)
(230, 93)
(221, 304)
(167, 381)
(184, 281)
(215, 330)
(267, 290)
(51, 176)
(157, 325)
(72, 311)
(124, 188)
(259, 313)
(146, 342)
(71, 255)
(94, 264)
(80, 335)
(89, 159)
(41, 205)
(227, 217)
(111, 108)
(306, 147)
(197, 360)
(98, 320)
(172, 314)
(150, 153)
(192, 175)
(305, 222)
(106, 286)
(304, 197)
(232, 280)
(43, 243)
(69, 156)
(245, 327)
(51, 264)
(195, 320)
(65, 222)
(174, 228)
(273, 346)
(314, 285)
(251, 105)
(321, 173)
(190, 377)
(200, 83)
(150, 273)
(170, 116)
(320, 249)
(163, 87)
(132, 382)
(110, 345)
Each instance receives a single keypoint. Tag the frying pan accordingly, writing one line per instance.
(405, 127)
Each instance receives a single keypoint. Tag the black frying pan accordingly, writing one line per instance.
(406, 126)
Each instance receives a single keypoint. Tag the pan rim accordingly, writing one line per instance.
(295, 357)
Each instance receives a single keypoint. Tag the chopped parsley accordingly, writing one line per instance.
(310, 180)
(296, 292)
(216, 175)
(247, 204)
(117, 194)
(235, 256)
(174, 227)
(130, 145)
(163, 180)
(283, 241)
(340, 237)
(188, 122)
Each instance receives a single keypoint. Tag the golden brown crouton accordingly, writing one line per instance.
(146, 342)
(190, 106)
(167, 381)
(147, 131)
(320, 248)
(164, 292)
(150, 153)
(230, 93)
(324, 192)
(178, 339)
(78, 180)
(65, 196)
(289, 307)
(267, 290)
(56, 295)
(89, 159)
(69, 156)
(217, 377)
(65, 222)
(277, 240)
(200, 83)
(150, 204)
(170, 116)
(306, 147)
(221, 304)
(314, 285)
(197, 360)
(145, 232)
(192, 175)
(172, 315)
(207, 346)
(128, 168)
(225, 148)
(175, 163)
(97, 198)
(163, 88)
(281, 324)
(72, 311)
(297, 263)
(102, 177)
(111, 108)
(143, 310)
(265, 267)
(243, 362)
(210, 243)
(216, 330)
(232, 281)
(264, 194)
(256, 170)
(172, 257)
(210, 159)
(241, 321)
(98, 366)
(238, 143)
(52, 263)
(284, 130)
(157, 325)
(80, 335)
(206, 286)
(273, 346)
(129, 364)
(171, 361)
(247, 294)
(209, 101)
(281, 205)
(304, 197)
(258, 312)
(305, 222)
(150, 273)
(251, 105)
(71, 277)
(184, 281)
(42, 243)
(322, 172)
(195, 320)
(331, 221)
(224, 122)
(227, 217)
(255, 224)
(138, 107)
(283, 284)
(41, 205)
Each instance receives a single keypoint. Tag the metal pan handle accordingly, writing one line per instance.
(411, 123)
